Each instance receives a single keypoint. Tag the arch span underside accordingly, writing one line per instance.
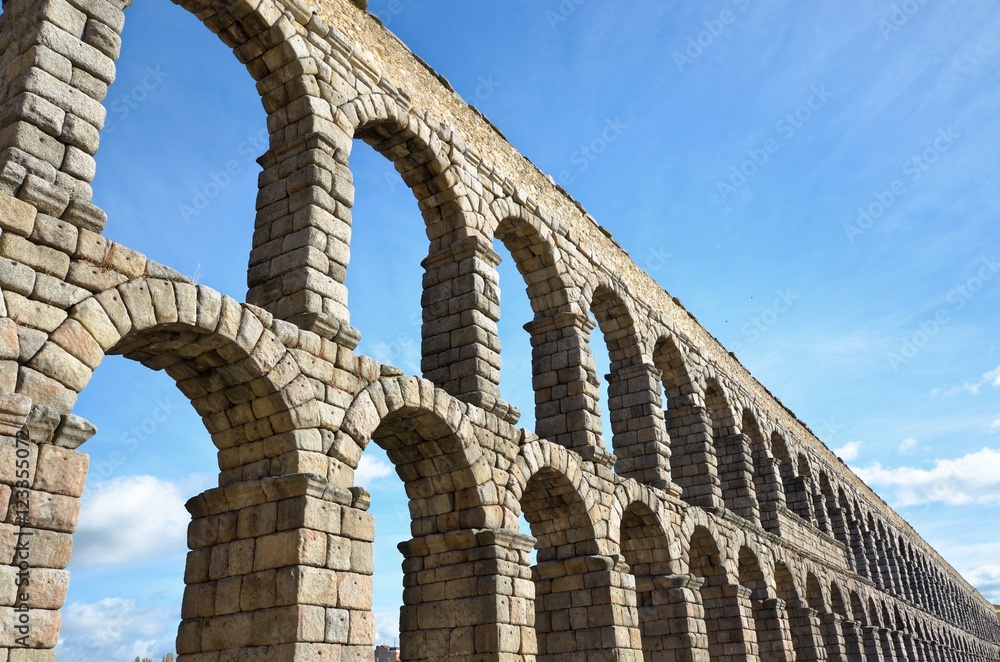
(720, 528)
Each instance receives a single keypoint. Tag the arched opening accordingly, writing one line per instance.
(850, 626)
(678, 392)
(693, 465)
(726, 603)
(735, 466)
(632, 394)
(856, 547)
(440, 471)
(127, 568)
(814, 498)
(904, 635)
(214, 349)
(873, 552)
(814, 594)
(800, 620)
(825, 624)
(387, 243)
(528, 271)
(646, 550)
(907, 589)
(836, 514)
(892, 644)
(767, 483)
(773, 643)
(869, 627)
(568, 563)
(796, 494)
(598, 364)
(887, 557)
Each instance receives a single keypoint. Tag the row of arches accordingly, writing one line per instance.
(605, 578)
(702, 439)
(624, 573)
(716, 451)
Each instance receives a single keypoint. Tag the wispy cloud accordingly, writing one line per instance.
(387, 626)
(907, 445)
(370, 469)
(986, 578)
(115, 629)
(989, 378)
(129, 519)
(970, 479)
(848, 451)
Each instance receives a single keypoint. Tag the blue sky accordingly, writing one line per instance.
(817, 182)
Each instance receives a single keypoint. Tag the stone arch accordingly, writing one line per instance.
(567, 409)
(223, 355)
(693, 464)
(230, 361)
(533, 248)
(766, 478)
(432, 446)
(612, 307)
(725, 601)
(871, 551)
(774, 641)
(887, 553)
(813, 495)
(905, 567)
(539, 455)
(904, 636)
(838, 523)
(460, 279)
(814, 594)
(559, 506)
(434, 451)
(838, 605)
(647, 551)
(639, 438)
(785, 585)
(856, 545)
(858, 609)
(802, 620)
(732, 453)
(893, 640)
(678, 384)
(795, 486)
(638, 509)
(64, 190)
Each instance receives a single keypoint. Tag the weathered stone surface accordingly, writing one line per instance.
(719, 528)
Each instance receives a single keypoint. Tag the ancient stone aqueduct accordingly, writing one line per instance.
(720, 529)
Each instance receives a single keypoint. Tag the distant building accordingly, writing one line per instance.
(386, 654)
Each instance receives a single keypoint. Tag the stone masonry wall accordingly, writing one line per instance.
(720, 528)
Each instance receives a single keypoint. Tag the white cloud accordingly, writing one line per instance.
(990, 378)
(970, 479)
(371, 468)
(129, 519)
(986, 578)
(995, 425)
(115, 629)
(848, 451)
(907, 445)
(387, 626)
